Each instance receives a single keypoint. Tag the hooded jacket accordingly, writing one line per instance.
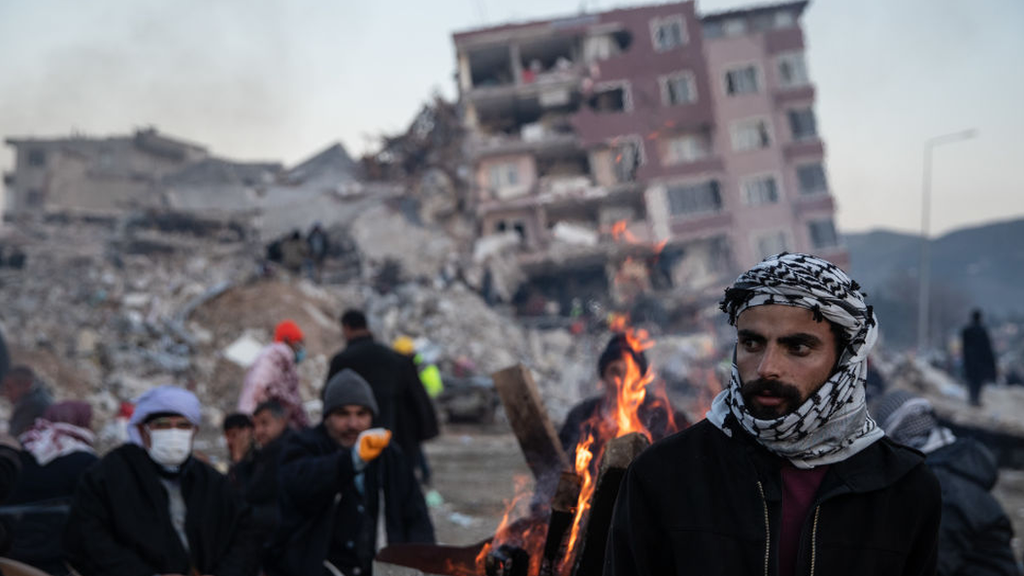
(701, 502)
(321, 505)
(120, 523)
(975, 534)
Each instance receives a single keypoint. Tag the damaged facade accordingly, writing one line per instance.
(693, 131)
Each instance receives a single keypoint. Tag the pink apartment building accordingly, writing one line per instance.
(695, 130)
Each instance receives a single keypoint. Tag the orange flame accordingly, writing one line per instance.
(624, 417)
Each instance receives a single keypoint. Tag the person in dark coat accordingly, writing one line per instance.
(787, 474)
(27, 394)
(58, 450)
(261, 487)
(655, 413)
(979, 361)
(149, 507)
(975, 532)
(405, 408)
(331, 479)
(238, 434)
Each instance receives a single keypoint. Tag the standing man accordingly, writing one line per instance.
(275, 375)
(331, 479)
(149, 507)
(403, 407)
(787, 475)
(28, 395)
(979, 361)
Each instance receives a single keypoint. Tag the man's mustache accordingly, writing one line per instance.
(771, 387)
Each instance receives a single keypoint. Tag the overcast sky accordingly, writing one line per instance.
(282, 79)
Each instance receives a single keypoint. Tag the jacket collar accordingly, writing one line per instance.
(874, 468)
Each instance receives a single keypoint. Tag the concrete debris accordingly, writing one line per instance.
(244, 351)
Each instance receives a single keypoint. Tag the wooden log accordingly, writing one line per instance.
(563, 508)
(617, 456)
(531, 425)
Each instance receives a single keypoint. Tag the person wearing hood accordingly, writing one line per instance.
(787, 474)
(149, 507)
(331, 479)
(274, 375)
(975, 532)
(58, 450)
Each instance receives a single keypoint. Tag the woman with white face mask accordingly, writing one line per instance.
(148, 507)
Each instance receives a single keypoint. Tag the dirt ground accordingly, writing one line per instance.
(474, 471)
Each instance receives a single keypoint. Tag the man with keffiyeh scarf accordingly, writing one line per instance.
(788, 474)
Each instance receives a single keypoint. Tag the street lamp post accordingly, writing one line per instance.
(925, 271)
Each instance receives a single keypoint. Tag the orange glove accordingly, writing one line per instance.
(372, 442)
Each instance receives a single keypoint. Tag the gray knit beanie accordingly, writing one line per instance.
(348, 388)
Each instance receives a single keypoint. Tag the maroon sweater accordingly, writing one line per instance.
(798, 490)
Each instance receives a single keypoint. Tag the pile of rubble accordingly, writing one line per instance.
(106, 308)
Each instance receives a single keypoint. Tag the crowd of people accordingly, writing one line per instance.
(795, 470)
(299, 497)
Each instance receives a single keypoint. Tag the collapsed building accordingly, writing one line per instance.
(693, 133)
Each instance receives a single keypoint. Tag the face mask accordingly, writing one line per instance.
(170, 447)
(300, 355)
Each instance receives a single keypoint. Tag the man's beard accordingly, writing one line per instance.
(786, 392)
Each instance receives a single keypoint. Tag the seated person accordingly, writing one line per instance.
(149, 507)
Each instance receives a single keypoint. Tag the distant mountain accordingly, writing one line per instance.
(980, 266)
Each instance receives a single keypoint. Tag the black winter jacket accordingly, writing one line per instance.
(120, 523)
(975, 534)
(318, 489)
(700, 502)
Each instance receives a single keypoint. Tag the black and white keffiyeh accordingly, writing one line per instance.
(833, 424)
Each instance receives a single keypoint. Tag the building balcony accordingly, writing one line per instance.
(531, 140)
(803, 148)
(808, 203)
(700, 225)
(702, 166)
(796, 94)
(528, 86)
(783, 40)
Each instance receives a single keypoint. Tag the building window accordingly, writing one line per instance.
(668, 33)
(504, 175)
(36, 157)
(772, 243)
(678, 89)
(760, 190)
(823, 233)
(628, 157)
(784, 19)
(750, 134)
(694, 198)
(802, 124)
(610, 98)
(687, 148)
(812, 179)
(734, 27)
(792, 70)
(33, 198)
(741, 80)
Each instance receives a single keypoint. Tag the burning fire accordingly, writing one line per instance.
(619, 419)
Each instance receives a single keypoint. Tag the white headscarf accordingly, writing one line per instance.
(833, 423)
(168, 398)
